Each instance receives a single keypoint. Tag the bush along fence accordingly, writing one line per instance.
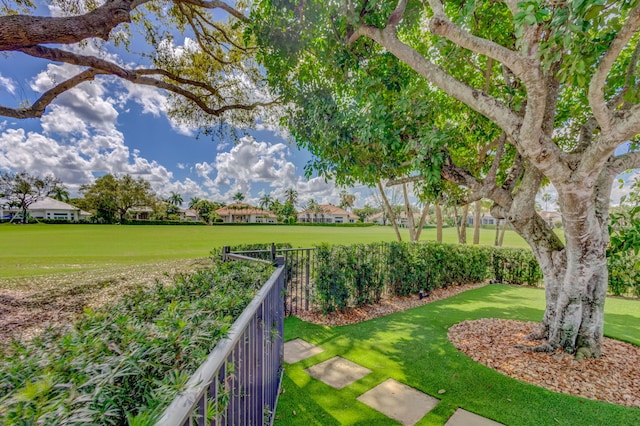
(125, 364)
(239, 383)
(335, 277)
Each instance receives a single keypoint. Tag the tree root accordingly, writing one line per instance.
(539, 334)
(544, 348)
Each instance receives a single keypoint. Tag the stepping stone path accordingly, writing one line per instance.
(298, 349)
(465, 418)
(399, 401)
(392, 398)
(338, 372)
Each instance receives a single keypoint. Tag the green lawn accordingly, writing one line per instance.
(412, 347)
(46, 249)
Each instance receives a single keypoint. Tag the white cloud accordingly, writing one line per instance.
(8, 84)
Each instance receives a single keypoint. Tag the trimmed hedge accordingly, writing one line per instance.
(347, 276)
(124, 364)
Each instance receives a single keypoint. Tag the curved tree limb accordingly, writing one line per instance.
(477, 99)
(440, 25)
(137, 76)
(597, 102)
(38, 107)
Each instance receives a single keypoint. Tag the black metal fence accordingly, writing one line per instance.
(239, 383)
(299, 267)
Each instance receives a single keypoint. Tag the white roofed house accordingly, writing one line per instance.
(47, 208)
(244, 213)
(326, 213)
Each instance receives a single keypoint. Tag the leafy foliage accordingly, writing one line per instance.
(23, 189)
(125, 363)
(354, 275)
(110, 196)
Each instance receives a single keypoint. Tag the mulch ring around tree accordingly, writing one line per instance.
(614, 377)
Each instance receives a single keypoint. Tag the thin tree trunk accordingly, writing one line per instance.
(456, 223)
(409, 213)
(504, 228)
(438, 223)
(496, 241)
(476, 222)
(462, 235)
(423, 217)
(385, 201)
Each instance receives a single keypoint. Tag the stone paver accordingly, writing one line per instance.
(338, 372)
(399, 401)
(298, 349)
(466, 418)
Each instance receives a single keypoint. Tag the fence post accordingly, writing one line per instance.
(225, 251)
(307, 280)
(273, 253)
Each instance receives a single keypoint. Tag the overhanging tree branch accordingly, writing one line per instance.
(100, 66)
(596, 97)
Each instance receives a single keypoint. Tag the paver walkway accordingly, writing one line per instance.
(392, 398)
(399, 401)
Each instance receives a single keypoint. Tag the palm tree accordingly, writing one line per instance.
(346, 200)
(60, 193)
(175, 199)
(313, 207)
(193, 202)
(546, 197)
(292, 196)
(265, 201)
(238, 197)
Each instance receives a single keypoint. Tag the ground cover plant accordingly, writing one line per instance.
(48, 249)
(124, 363)
(412, 347)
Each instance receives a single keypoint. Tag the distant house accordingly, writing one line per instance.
(140, 213)
(47, 208)
(402, 219)
(190, 215)
(326, 213)
(485, 219)
(244, 213)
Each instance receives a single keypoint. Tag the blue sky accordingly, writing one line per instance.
(110, 126)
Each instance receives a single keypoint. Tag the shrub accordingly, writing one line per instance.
(515, 266)
(125, 363)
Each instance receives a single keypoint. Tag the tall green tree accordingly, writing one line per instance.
(60, 193)
(112, 197)
(23, 189)
(175, 199)
(238, 197)
(549, 89)
(291, 196)
(346, 200)
(193, 201)
(265, 201)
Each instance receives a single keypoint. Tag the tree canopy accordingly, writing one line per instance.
(110, 196)
(211, 78)
(514, 94)
(23, 189)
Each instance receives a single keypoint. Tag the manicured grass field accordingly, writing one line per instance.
(46, 249)
(412, 347)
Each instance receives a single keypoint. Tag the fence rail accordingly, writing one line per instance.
(239, 382)
(299, 265)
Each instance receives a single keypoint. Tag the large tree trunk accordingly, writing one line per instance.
(575, 274)
(579, 308)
